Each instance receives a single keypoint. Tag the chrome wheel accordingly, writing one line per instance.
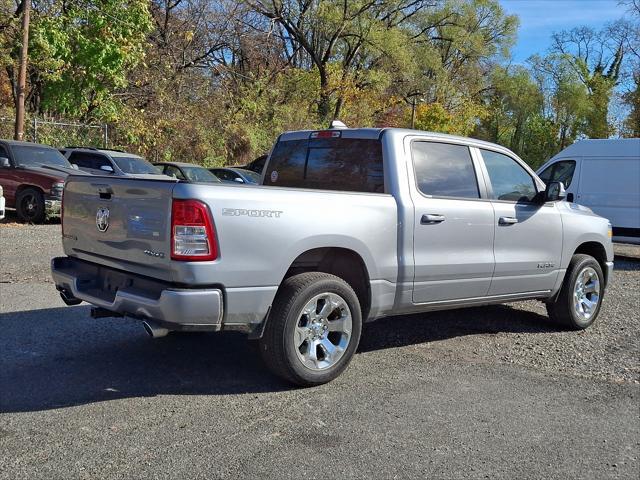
(323, 331)
(586, 293)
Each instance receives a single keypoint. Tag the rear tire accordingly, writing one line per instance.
(578, 303)
(30, 206)
(313, 329)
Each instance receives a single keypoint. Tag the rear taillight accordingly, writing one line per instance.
(192, 234)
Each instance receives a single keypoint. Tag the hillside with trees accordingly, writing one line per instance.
(215, 82)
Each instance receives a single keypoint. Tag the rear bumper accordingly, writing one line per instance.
(136, 296)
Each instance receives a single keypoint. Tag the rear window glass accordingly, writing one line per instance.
(345, 164)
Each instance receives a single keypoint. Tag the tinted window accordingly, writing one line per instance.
(81, 160)
(101, 161)
(509, 180)
(88, 160)
(35, 156)
(444, 169)
(286, 166)
(346, 164)
(559, 172)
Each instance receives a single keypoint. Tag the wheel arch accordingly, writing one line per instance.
(341, 262)
(26, 186)
(596, 250)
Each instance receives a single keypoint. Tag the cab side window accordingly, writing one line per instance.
(444, 170)
(509, 180)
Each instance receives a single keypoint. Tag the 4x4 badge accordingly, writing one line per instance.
(102, 219)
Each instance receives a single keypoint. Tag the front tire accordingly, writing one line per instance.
(313, 329)
(30, 206)
(578, 304)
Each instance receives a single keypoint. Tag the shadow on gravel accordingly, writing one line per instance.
(60, 357)
(11, 220)
(429, 327)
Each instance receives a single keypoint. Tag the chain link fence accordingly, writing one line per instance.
(57, 133)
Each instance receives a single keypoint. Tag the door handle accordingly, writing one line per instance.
(507, 221)
(431, 218)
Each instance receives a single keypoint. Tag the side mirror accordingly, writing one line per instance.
(554, 192)
(238, 179)
(107, 168)
(75, 166)
(4, 162)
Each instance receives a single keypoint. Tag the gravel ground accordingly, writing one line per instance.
(492, 392)
(609, 350)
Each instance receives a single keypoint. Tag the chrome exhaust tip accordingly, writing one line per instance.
(154, 330)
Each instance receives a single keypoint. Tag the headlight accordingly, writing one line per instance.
(610, 231)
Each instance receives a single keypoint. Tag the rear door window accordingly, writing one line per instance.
(344, 164)
(444, 170)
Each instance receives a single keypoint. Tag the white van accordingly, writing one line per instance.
(603, 175)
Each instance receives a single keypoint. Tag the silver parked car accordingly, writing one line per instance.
(350, 225)
(100, 161)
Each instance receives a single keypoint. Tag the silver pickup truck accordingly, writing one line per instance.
(349, 225)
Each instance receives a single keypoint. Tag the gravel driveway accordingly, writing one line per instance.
(485, 392)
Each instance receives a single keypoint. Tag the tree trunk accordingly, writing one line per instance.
(324, 104)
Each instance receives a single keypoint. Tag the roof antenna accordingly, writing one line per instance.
(337, 124)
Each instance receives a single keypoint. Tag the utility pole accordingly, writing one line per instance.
(22, 74)
(415, 97)
(413, 113)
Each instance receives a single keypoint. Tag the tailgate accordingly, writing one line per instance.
(120, 222)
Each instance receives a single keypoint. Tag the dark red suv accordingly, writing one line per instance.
(32, 177)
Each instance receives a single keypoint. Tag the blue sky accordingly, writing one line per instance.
(540, 18)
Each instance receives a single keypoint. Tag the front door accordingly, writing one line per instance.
(528, 234)
(453, 225)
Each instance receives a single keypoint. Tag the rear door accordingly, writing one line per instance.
(528, 235)
(118, 221)
(453, 224)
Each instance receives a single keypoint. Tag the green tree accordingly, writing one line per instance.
(596, 58)
(80, 55)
